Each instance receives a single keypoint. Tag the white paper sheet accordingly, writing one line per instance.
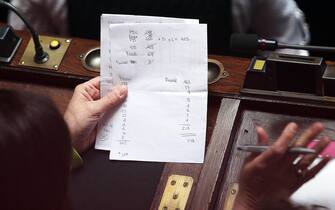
(102, 142)
(108, 19)
(165, 68)
(319, 191)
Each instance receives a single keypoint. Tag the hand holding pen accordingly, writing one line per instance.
(272, 172)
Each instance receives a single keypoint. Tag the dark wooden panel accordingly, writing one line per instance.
(205, 175)
(71, 64)
(100, 176)
(104, 184)
(211, 174)
(108, 184)
(72, 71)
(236, 67)
(273, 117)
(192, 170)
(60, 95)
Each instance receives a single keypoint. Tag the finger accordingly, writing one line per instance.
(262, 139)
(286, 136)
(262, 136)
(279, 148)
(316, 169)
(308, 159)
(95, 82)
(308, 135)
(93, 86)
(89, 89)
(111, 99)
(93, 92)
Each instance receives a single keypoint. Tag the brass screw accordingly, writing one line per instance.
(81, 56)
(55, 66)
(67, 40)
(175, 196)
(22, 62)
(185, 184)
(173, 182)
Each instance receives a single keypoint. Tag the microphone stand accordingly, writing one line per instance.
(40, 55)
(306, 47)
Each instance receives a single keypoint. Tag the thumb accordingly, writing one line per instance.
(111, 99)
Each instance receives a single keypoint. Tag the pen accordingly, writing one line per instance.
(259, 149)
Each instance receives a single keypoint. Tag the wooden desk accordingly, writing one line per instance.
(105, 184)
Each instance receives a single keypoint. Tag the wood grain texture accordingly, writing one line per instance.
(205, 191)
(206, 175)
(273, 117)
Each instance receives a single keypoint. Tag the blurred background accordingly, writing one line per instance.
(3, 14)
(319, 17)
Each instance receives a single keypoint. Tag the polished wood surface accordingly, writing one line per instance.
(231, 120)
(59, 85)
(71, 64)
(72, 70)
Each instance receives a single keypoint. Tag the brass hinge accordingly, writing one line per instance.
(176, 193)
(231, 196)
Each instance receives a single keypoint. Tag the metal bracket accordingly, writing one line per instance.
(176, 193)
(55, 55)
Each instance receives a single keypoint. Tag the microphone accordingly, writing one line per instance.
(252, 42)
(40, 55)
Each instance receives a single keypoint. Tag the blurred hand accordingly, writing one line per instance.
(86, 108)
(272, 174)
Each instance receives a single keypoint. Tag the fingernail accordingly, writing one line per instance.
(123, 90)
(294, 126)
(319, 125)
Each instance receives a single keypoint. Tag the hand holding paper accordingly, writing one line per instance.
(164, 66)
